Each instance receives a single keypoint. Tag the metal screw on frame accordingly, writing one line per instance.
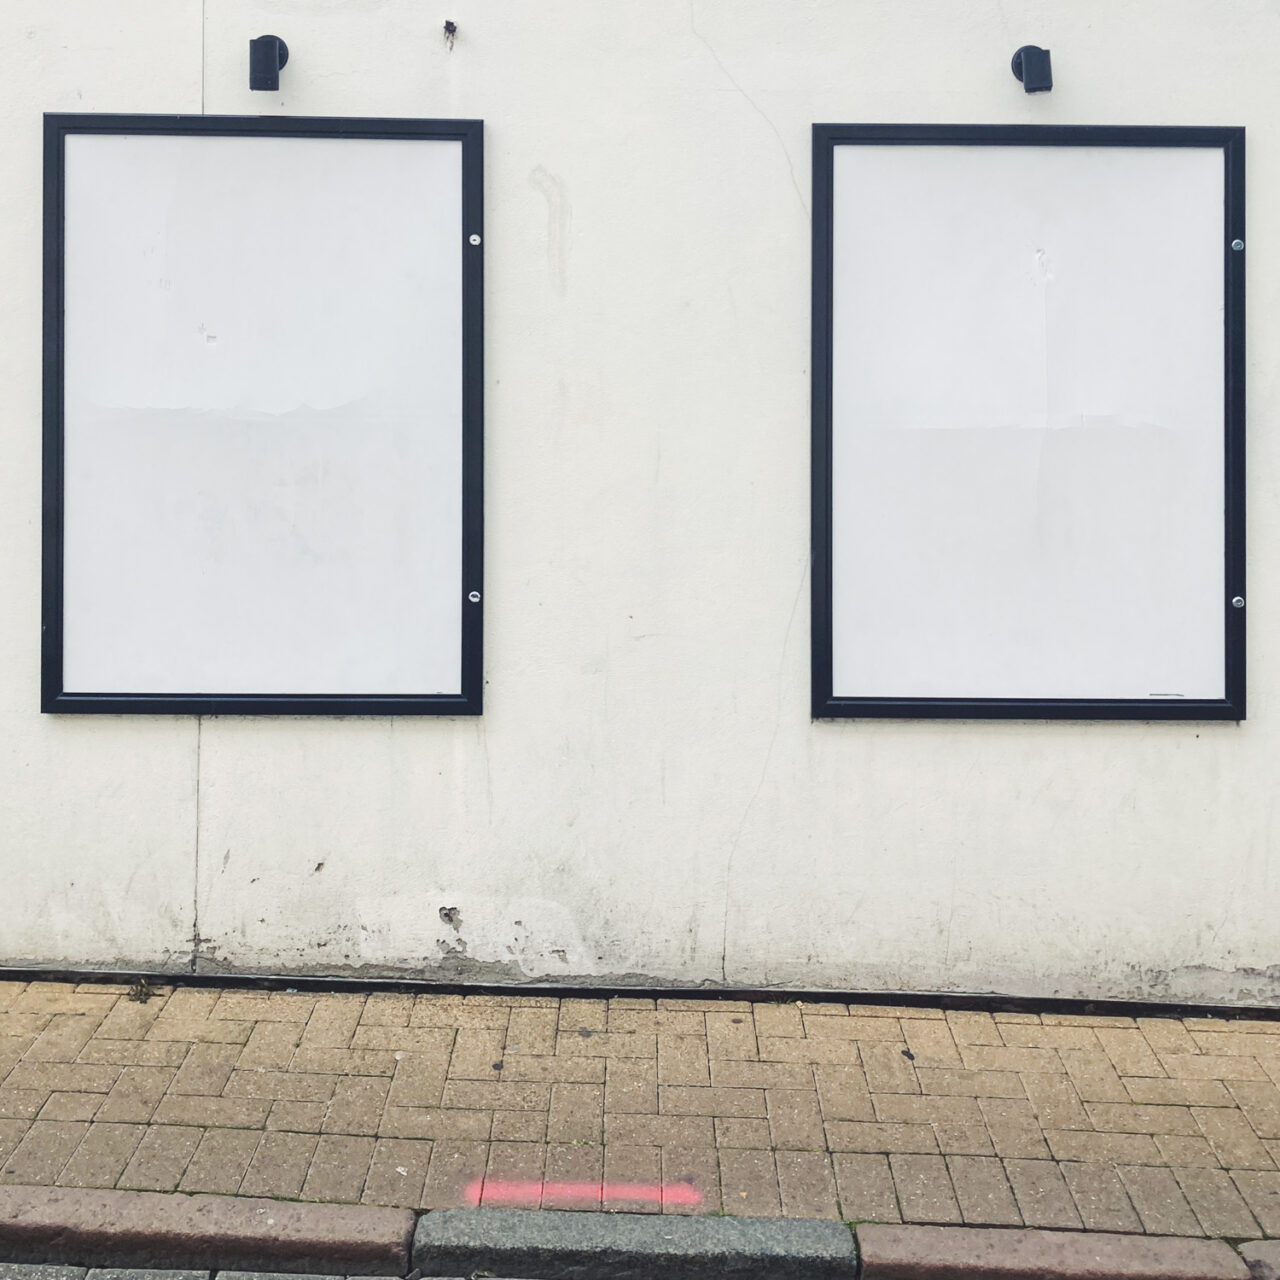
(474, 597)
(1238, 602)
(1237, 245)
(473, 239)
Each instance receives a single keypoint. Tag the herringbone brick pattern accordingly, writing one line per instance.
(866, 1112)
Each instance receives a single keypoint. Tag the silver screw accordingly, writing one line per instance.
(476, 240)
(1237, 245)
(1238, 602)
(474, 597)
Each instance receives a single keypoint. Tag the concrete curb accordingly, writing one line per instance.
(155, 1229)
(977, 1253)
(551, 1245)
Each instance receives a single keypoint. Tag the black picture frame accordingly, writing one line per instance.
(470, 133)
(825, 703)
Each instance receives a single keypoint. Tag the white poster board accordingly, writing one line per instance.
(262, 419)
(1027, 446)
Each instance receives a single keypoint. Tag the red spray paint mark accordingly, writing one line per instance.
(531, 1193)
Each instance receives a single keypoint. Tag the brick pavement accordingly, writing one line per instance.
(869, 1113)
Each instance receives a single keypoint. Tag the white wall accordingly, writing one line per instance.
(645, 797)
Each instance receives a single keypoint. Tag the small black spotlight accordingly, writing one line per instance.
(267, 54)
(1031, 65)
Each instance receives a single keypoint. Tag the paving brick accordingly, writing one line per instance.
(11, 1134)
(749, 1183)
(623, 1044)
(706, 1006)
(591, 1015)
(1042, 1195)
(270, 1045)
(659, 1131)
(774, 1020)
(453, 1013)
(199, 1031)
(344, 1062)
(932, 1043)
(627, 1168)
(161, 1158)
(1079, 1039)
(1264, 1026)
(1023, 1018)
(102, 1156)
(1105, 1148)
(574, 1173)
(206, 1069)
(1167, 1035)
(191, 1002)
(843, 1093)
(824, 1008)
(222, 1113)
(129, 1019)
(887, 1030)
(806, 1184)
(387, 1009)
(888, 1070)
(1056, 1103)
(795, 1120)
(1156, 1196)
(915, 1108)
(531, 1032)
(1235, 1044)
(631, 1085)
(1232, 1139)
(1261, 1192)
(973, 1028)
(39, 1158)
(731, 1036)
(338, 1167)
(220, 1161)
(971, 1084)
(294, 1086)
(433, 1040)
(333, 1022)
(576, 1114)
(435, 1122)
(519, 1165)
(273, 1006)
(734, 1132)
(61, 1077)
(924, 1189)
(299, 1117)
(279, 1165)
(682, 1060)
(1129, 1051)
(1196, 1093)
(64, 1037)
(690, 1100)
(865, 1187)
(136, 1094)
(1260, 1102)
(963, 1140)
(1116, 1117)
(1216, 1202)
(1191, 1152)
(70, 1106)
(826, 1049)
(983, 1191)
(1206, 1066)
(1100, 1197)
(853, 1135)
(474, 1053)
(455, 1166)
(519, 1126)
(397, 1173)
(134, 1053)
(764, 1075)
(1015, 1142)
(1093, 1076)
(895, 1011)
(981, 1057)
(22, 1104)
(356, 1106)
(497, 1095)
(1014, 1113)
(697, 1167)
(519, 1068)
(419, 1080)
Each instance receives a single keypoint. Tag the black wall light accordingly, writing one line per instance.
(1031, 65)
(267, 54)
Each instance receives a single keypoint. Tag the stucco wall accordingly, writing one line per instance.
(645, 797)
